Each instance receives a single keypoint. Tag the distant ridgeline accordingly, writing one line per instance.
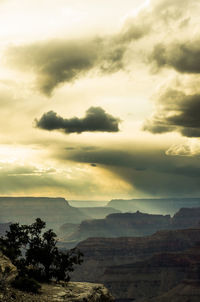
(131, 224)
(54, 211)
(80, 223)
(154, 206)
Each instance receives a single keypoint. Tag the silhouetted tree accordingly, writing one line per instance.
(35, 253)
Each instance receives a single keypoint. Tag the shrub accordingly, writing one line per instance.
(26, 284)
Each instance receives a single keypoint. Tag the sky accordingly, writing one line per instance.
(100, 99)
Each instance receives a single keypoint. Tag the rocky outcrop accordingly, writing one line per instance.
(71, 292)
(54, 292)
(8, 271)
(77, 292)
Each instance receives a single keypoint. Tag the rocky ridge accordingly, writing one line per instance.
(52, 292)
(73, 292)
(8, 271)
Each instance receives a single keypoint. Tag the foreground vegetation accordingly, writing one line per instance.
(35, 254)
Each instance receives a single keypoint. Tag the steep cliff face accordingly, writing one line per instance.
(100, 253)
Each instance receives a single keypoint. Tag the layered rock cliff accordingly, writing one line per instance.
(99, 253)
(186, 291)
(153, 277)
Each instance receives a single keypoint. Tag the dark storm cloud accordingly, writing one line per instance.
(63, 61)
(59, 61)
(183, 57)
(176, 112)
(96, 119)
(149, 171)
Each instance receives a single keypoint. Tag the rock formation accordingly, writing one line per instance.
(132, 224)
(186, 218)
(54, 211)
(120, 225)
(104, 256)
(153, 277)
(53, 292)
(8, 271)
(186, 291)
(72, 292)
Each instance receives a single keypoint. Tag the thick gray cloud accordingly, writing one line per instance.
(96, 119)
(63, 61)
(149, 171)
(182, 56)
(59, 61)
(176, 112)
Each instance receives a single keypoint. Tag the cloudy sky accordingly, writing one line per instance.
(100, 99)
